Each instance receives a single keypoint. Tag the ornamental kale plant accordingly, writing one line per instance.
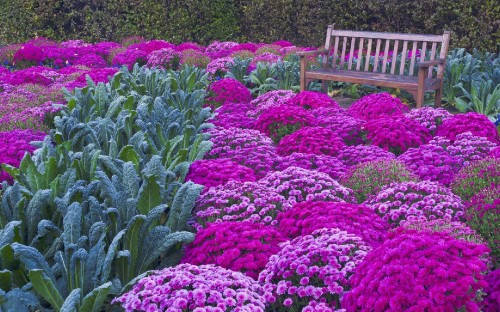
(227, 90)
(431, 162)
(409, 201)
(396, 134)
(213, 172)
(239, 246)
(367, 178)
(482, 213)
(477, 176)
(269, 99)
(354, 155)
(477, 124)
(429, 117)
(297, 185)
(188, 287)
(311, 140)
(238, 201)
(312, 100)
(415, 270)
(312, 269)
(306, 217)
(377, 105)
(322, 163)
(279, 121)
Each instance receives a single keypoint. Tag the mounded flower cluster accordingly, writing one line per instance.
(306, 217)
(312, 268)
(279, 121)
(311, 140)
(237, 201)
(429, 117)
(219, 67)
(396, 134)
(377, 105)
(166, 58)
(477, 124)
(13, 145)
(239, 246)
(269, 99)
(297, 185)
(478, 175)
(419, 271)
(354, 155)
(491, 302)
(218, 49)
(367, 178)
(322, 163)
(346, 127)
(129, 57)
(228, 142)
(482, 213)
(455, 229)
(495, 152)
(213, 172)
(231, 115)
(227, 90)
(188, 287)
(409, 201)
(469, 147)
(431, 162)
(193, 57)
(312, 100)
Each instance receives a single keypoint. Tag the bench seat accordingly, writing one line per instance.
(409, 83)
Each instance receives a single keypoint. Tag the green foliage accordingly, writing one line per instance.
(107, 203)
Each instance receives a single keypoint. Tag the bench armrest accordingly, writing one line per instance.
(308, 53)
(430, 63)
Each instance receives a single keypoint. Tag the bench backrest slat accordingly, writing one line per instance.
(407, 50)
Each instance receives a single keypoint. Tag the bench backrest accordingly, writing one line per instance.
(393, 53)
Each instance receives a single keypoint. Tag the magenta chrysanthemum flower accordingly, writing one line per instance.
(227, 90)
(478, 175)
(314, 268)
(311, 140)
(408, 201)
(354, 155)
(306, 217)
(477, 124)
(188, 287)
(468, 147)
(213, 172)
(269, 99)
(419, 271)
(491, 302)
(332, 166)
(429, 117)
(312, 100)
(346, 127)
(376, 106)
(279, 121)
(239, 246)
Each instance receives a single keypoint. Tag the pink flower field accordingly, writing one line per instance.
(306, 205)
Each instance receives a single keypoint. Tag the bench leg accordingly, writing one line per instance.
(303, 67)
(324, 86)
(420, 97)
(438, 97)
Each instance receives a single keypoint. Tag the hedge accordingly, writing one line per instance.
(474, 23)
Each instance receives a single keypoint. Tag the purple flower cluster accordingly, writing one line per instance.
(347, 127)
(193, 57)
(377, 105)
(313, 100)
(477, 124)
(227, 90)
(279, 121)
(213, 172)
(312, 268)
(237, 201)
(13, 145)
(297, 185)
(495, 152)
(239, 246)
(220, 66)
(478, 175)
(367, 178)
(322, 163)
(455, 229)
(311, 140)
(429, 117)
(396, 134)
(491, 302)
(306, 217)
(166, 58)
(187, 287)
(129, 57)
(419, 271)
(431, 162)
(269, 99)
(468, 147)
(234, 115)
(409, 201)
(354, 155)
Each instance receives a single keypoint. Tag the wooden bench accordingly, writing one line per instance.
(375, 58)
